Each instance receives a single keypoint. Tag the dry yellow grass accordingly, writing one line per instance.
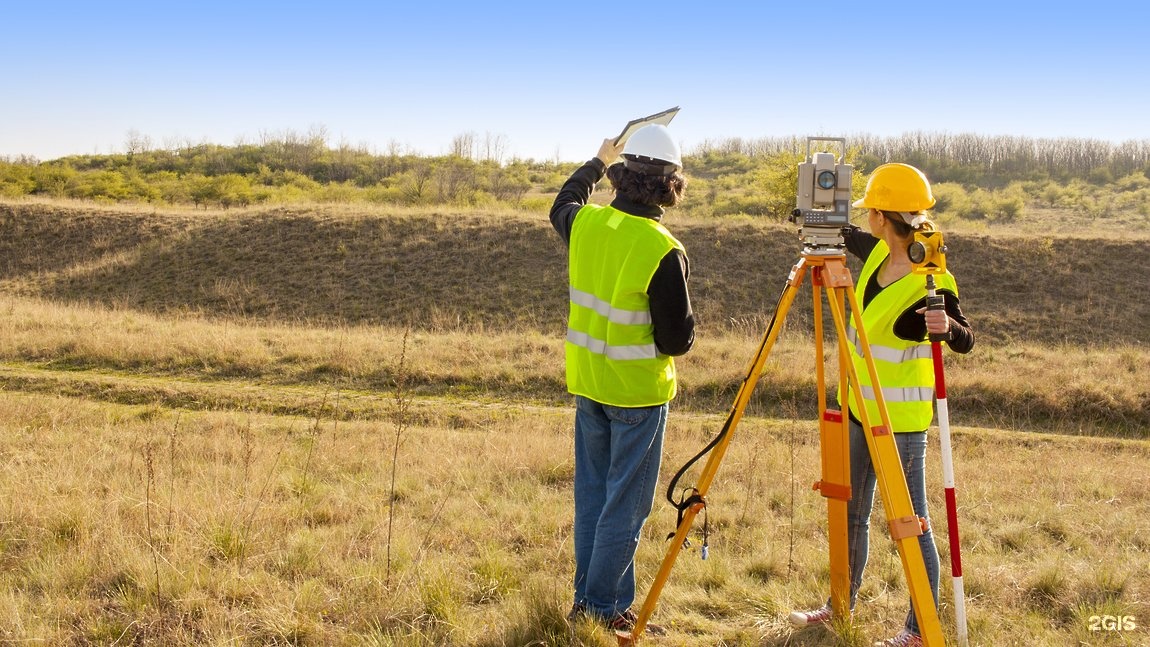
(141, 524)
(215, 472)
(115, 354)
(208, 524)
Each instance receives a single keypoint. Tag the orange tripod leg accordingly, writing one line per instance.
(716, 457)
(834, 444)
(904, 525)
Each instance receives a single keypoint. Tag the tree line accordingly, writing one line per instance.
(977, 176)
(978, 160)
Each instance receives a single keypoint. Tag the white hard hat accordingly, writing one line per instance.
(653, 142)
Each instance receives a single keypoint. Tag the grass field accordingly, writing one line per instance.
(144, 524)
(217, 434)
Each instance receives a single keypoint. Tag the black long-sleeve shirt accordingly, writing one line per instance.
(911, 325)
(670, 304)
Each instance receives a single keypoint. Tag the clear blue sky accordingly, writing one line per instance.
(553, 79)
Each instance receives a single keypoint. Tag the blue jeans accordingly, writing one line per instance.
(617, 456)
(912, 453)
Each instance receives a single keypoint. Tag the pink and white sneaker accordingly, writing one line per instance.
(808, 618)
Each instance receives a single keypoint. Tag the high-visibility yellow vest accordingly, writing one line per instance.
(611, 353)
(905, 368)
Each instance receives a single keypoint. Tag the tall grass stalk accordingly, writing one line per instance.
(791, 508)
(172, 438)
(149, 484)
(250, 517)
(401, 401)
(313, 434)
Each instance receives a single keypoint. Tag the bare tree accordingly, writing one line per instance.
(494, 147)
(463, 145)
(135, 142)
(343, 167)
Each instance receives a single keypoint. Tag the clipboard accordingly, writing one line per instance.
(663, 117)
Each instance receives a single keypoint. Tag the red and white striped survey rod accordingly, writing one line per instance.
(948, 473)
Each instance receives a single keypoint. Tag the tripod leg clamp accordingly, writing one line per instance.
(904, 527)
(833, 490)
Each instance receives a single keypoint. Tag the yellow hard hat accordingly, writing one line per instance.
(897, 187)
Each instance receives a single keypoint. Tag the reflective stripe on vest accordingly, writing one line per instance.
(888, 354)
(604, 308)
(905, 368)
(600, 347)
(611, 352)
(906, 394)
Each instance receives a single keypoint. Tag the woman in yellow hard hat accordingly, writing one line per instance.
(897, 325)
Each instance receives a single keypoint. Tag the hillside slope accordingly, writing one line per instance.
(507, 271)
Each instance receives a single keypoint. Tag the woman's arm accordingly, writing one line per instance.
(911, 324)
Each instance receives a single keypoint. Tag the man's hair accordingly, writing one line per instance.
(653, 190)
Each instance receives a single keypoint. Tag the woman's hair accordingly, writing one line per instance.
(653, 190)
(901, 226)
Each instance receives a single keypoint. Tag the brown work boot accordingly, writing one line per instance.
(625, 622)
(903, 639)
(577, 611)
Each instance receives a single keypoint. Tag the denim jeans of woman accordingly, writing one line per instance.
(912, 453)
(617, 456)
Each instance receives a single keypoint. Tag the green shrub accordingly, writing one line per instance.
(54, 179)
(16, 180)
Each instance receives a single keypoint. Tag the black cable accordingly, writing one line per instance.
(686, 501)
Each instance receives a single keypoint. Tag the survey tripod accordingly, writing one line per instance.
(828, 270)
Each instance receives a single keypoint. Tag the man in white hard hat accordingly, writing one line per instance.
(629, 314)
